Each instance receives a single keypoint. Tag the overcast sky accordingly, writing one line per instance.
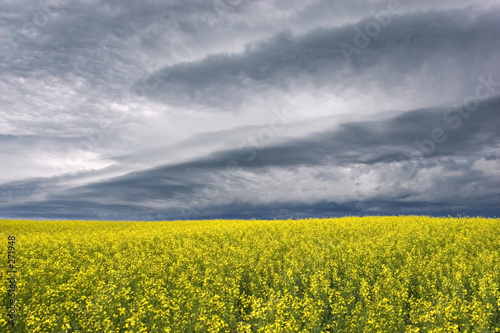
(160, 110)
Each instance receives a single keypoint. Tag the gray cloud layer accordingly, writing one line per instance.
(448, 43)
(132, 110)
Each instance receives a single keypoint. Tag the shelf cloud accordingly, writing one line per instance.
(249, 109)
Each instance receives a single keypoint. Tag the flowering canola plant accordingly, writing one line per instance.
(351, 274)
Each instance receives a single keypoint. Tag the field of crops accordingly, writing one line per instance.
(387, 274)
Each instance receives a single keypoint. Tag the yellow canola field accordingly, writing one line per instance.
(352, 274)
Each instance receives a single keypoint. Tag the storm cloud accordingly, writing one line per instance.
(249, 109)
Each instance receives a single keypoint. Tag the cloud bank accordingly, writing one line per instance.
(249, 109)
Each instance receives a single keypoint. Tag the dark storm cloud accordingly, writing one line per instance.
(371, 142)
(337, 56)
(376, 142)
(66, 209)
